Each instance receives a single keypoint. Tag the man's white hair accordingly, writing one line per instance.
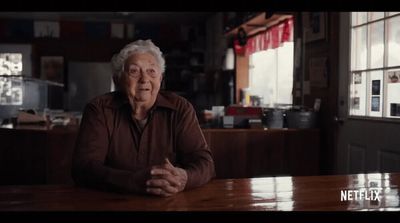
(138, 46)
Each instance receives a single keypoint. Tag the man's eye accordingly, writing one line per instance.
(133, 71)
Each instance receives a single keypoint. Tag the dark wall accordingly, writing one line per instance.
(183, 46)
(326, 47)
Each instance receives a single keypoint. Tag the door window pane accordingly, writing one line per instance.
(359, 18)
(376, 15)
(394, 41)
(393, 13)
(377, 44)
(359, 48)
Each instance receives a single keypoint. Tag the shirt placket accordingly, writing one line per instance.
(144, 143)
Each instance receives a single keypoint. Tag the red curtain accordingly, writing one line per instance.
(271, 38)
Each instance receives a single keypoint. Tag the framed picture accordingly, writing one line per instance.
(314, 25)
(375, 102)
(394, 109)
(376, 87)
(52, 68)
(357, 78)
(355, 103)
(47, 29)
(393, 76)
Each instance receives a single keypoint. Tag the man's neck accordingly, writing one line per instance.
(140, 109)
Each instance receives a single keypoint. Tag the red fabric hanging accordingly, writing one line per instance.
(271, 38)
(238, 48)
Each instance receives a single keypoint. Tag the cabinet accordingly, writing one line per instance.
(244, 153)
(34, 155)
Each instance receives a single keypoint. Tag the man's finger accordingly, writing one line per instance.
(168, 162)
(172, 180)
(159, 171)
(163, 184)
(157, 183)
(157, 191)
(168, 165)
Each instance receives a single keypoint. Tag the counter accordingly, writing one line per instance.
(240, 153)
(34, 154)
(43, 154)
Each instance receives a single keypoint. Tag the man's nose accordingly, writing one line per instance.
(143, 76)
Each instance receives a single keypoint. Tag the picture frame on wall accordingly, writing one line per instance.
(52, 68)
(314, 25)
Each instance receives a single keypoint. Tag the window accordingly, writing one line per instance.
(375, 64)
(270, 56)
(10, 86)
(15, 62)
(271, 75)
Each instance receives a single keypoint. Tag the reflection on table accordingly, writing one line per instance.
(305, 193)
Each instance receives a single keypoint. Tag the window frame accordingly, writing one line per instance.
(368, 69)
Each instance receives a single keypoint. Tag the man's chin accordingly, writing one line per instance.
(143, 98)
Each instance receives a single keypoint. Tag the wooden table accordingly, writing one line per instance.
(305, 193)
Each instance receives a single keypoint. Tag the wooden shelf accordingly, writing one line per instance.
(259, 23)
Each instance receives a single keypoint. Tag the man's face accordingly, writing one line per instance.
(142, 77)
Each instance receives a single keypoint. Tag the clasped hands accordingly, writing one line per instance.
(166, 180)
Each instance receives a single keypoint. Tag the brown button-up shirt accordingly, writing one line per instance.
(113, 152)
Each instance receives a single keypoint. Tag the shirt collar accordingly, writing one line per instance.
(162, 101)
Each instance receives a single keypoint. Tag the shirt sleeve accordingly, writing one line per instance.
(88, 167)
(193, 152)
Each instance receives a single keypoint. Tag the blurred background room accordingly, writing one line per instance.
(276, 93)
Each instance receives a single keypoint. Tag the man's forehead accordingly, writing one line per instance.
(143, 59)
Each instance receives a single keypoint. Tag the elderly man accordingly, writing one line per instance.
(138, 138)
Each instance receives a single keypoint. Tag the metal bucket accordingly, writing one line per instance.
(273, 118)
(301, 119)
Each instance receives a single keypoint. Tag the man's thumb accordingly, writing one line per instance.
(168, 162)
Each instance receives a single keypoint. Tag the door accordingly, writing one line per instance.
(367, 144)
